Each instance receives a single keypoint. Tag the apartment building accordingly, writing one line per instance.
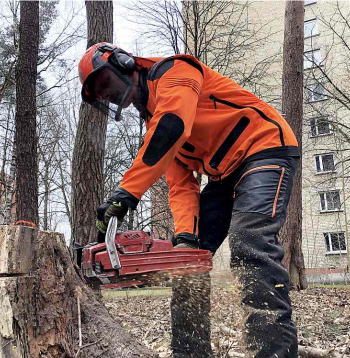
(325, 141)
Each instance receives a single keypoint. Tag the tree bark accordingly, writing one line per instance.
(39, 311)
(292, 108)
(10, 189)
(89, 146)
(26, 138)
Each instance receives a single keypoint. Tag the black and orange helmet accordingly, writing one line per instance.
(96, 58)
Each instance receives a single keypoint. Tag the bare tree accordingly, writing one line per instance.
(89, 147)
(221, 34)
(51, 59)
(26, 138)
(292, 107)
(327, 74)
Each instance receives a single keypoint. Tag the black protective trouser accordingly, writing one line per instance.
(250, 206)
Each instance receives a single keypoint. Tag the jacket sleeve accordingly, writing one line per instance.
(176, 104)
(183, 198)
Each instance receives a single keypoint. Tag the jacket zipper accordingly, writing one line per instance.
(261, 114)
(229, 142)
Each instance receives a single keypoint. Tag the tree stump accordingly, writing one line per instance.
(38, 303)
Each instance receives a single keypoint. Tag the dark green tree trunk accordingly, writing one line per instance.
(26, 138)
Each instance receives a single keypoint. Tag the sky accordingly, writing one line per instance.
(124, 34)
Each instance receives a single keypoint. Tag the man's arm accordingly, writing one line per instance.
(183, 199)
(171, 125)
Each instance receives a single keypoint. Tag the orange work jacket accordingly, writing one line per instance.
(199, 121)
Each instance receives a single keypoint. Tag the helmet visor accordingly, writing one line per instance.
(91, 91)
(87, 91)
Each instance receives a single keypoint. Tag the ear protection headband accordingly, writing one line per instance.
(120, 58)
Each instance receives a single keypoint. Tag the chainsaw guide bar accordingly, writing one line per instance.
(134, 258)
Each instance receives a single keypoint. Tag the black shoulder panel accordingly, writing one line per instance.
(160, 68)
(164, 65)
(169, 129)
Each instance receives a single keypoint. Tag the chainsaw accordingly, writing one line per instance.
(134, 258)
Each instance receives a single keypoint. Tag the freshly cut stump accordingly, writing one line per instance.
(38, 303)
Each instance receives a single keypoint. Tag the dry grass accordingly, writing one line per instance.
(322, 316)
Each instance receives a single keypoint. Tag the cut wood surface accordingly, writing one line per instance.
(16, 249)
(39, 312)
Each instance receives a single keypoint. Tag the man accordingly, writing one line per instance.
(200, 121)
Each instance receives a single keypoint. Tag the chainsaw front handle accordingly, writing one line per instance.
(110, 242)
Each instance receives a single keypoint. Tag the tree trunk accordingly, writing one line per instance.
(26, 138)
(9, 189)
(292, 107)
(89, 147)
(46, 201)
(39, 311)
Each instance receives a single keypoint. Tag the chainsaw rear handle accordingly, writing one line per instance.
(101, 236)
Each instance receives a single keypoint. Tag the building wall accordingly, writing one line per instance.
(315, 222)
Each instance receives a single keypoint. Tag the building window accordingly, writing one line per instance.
(309, 2)
(330, 201)
(335, 242)
(310, 28)
(315, 92)
(312, 59)
(325, 163)
(320, 126)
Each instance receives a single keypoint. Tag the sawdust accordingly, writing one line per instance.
(322, 316)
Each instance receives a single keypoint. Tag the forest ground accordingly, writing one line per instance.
(321, 314)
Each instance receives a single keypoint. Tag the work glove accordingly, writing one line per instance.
(106, 211)
(186, 240)
(117, 205)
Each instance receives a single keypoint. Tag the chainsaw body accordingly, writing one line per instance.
(134, 258)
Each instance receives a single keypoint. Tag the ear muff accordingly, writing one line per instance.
(123, 60)
(119, 58)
